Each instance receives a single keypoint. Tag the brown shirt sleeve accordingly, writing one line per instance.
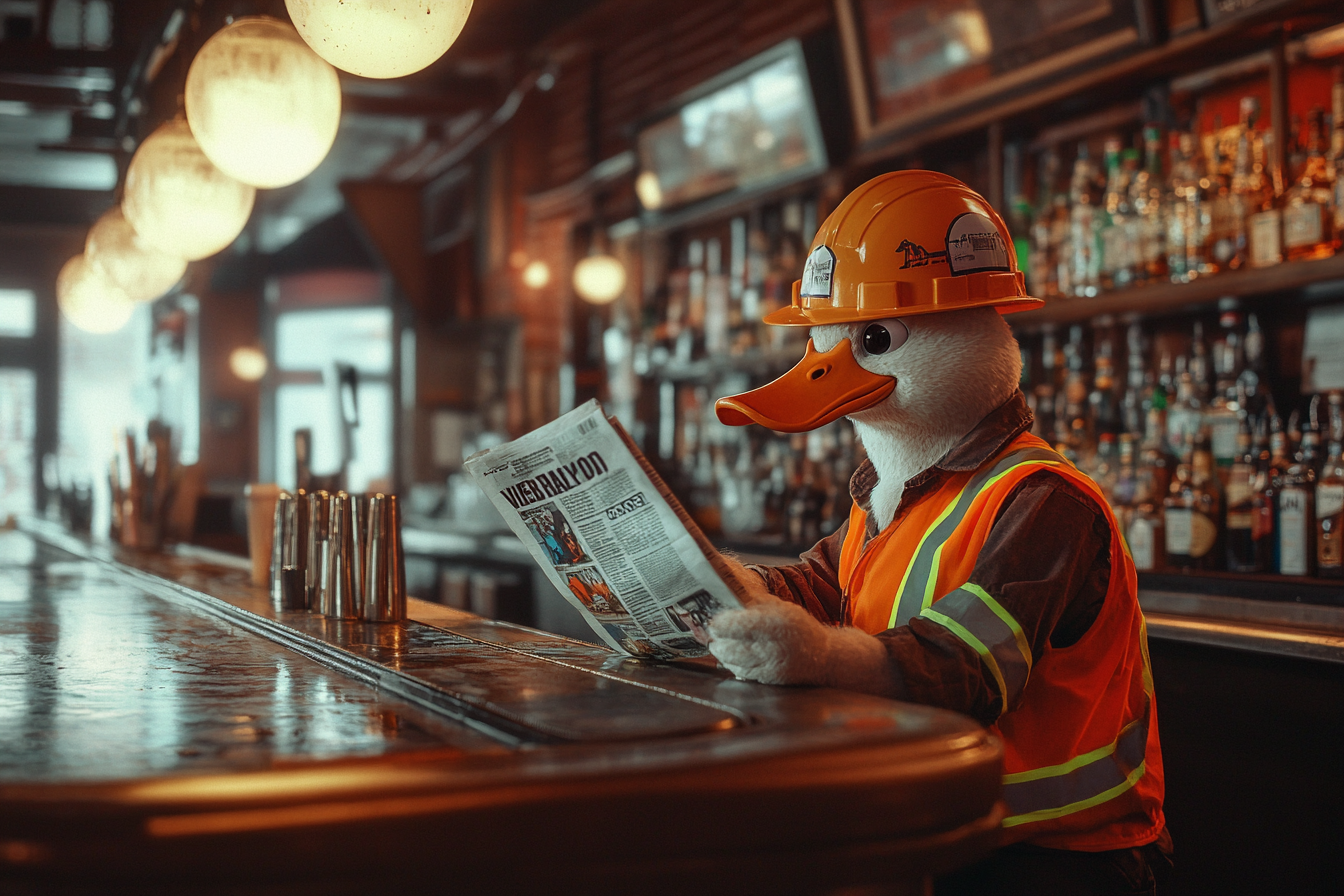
(1047, 561)
(814, 582)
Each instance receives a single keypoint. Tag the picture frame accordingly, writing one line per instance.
(910, 62)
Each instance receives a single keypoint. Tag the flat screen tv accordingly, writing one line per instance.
(751, 128)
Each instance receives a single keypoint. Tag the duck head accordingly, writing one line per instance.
(936, 374)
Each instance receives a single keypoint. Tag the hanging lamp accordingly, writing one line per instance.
(379, 38)
(178, 201)
(262, 105)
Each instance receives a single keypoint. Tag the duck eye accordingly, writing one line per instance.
(876, 339)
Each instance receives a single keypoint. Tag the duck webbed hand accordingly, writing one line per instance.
(776, 642)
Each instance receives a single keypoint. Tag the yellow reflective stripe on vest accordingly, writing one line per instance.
(991, 631)
(921, 576)
(1081, 783)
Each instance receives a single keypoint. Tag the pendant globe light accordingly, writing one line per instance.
(88, 301)
(127, 262)
(599, 279)
(263, 106)
(178, 201)
(379, 38)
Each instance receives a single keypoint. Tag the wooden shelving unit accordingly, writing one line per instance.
(1167, 298)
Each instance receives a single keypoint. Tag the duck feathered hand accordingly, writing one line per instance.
(777, 642)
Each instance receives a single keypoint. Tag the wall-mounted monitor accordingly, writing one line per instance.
(751, 128)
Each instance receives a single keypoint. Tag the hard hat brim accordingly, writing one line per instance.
(793, 316)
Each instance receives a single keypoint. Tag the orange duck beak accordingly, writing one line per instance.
(822, 387)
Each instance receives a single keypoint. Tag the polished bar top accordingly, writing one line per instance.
(99, 680)
(161, 718)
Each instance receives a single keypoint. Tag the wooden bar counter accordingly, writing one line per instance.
(164, 730)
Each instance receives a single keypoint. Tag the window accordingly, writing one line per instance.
(18, 313)
(308, 345)
(18, 428)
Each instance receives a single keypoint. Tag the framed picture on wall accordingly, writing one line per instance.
(909, 61)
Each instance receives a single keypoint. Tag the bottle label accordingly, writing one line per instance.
(1241, 519)
(1266, 249)
(1223, 436)
(1293, 532)
(1203, 534)
(1179, 534)
(1329, 500)
(1339, 203)
(1302, 225)
(1141, 544)
(1329, 550)
(1239, 488)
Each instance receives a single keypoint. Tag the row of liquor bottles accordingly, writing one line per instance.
(1184, 437)
(1219, 202)
(1199, 466)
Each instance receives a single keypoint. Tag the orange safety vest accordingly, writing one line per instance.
(1082, 764)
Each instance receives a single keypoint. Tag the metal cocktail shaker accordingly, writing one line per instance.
(384, 562)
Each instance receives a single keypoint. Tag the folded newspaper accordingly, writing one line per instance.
(607, 531)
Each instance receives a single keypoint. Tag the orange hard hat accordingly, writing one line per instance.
(906, 243)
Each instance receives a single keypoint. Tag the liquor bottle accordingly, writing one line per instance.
(1132, 404)
(1226, 245)
(1253, 365)
(1186, 414)
(1269, 482)
(1080, 436)
(1146, 532)
(1102, 400)
(1044, 392)
(1115, 231)
(1308, 224)
(1193, 510)
(1125, 483)
(1297, 511)
(1192, 207)
(1337, 152)
(1330, 514)
(1244, 547)
(1084, 255)
(1145, 198)
(1176, 201)
(1156, 460)
(1330, 499)
(1201, 366)
(1225, 410)
(1043, 264)
(1264, 224)
(1104, 468)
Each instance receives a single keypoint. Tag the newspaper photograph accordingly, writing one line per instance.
(608, 533)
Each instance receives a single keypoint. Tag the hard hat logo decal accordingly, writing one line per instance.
(818, 274)
(975, 244)
(916, 256)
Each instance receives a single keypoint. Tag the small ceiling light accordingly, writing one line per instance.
(379, 38)
(88, 301)
(649, 191)
(599, 279)
(536, 274)
(178, 201)
(247, 363)
(136, 268)
(262, 105)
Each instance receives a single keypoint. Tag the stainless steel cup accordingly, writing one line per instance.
(287, 548)
(319, 527)
(384, 563)
(339, 594)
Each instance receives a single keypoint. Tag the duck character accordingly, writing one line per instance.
(979, 570)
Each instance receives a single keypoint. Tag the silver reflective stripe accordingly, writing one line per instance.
(1089, 780)
(979, 620)
(917, 586)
